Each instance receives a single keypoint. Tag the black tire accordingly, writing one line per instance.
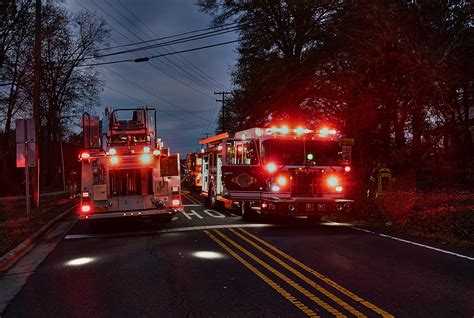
(248, 215)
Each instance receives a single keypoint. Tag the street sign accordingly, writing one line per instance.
(26, 152)
(25, 130)
(346, 141)
(25, 142)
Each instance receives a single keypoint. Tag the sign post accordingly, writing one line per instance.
(25, 152)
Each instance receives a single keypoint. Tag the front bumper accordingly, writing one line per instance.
(169, 212)
(304, 206)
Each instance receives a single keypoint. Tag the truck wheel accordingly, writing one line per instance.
(248, 215)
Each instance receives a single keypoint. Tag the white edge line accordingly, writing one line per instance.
(412, 243)
(178, 229)
(192, 205)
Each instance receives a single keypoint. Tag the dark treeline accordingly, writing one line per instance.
(398, 76)
(65, 89)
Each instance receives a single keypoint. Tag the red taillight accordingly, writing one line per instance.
(85, 155)
(347, 168)
(271, 167)
(86, 208)
(175, 202)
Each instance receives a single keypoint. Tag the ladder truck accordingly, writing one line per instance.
(126, 173)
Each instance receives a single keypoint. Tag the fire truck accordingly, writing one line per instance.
(125, 170)
(194, 170)
(278, 171)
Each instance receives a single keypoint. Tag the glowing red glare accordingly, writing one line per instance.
(85, 155)
(85, 208)
(332, 181)
(281, 180)
(347, 168)
(145, 158)
(299, 130)
(284, 129)
(338, 189)
(112, 151)
(114, 160)
(176, 202)
(146, 149)
(275, 188)
(264, 205)
(156, 152)
(273, 129)
(323, 132)
(271, 167)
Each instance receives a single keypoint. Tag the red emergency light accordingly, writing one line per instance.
(85, 155)
(86, 208)
(175, 202)
(271, 167)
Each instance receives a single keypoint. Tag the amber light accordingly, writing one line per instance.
(281, 180)
(271, 167)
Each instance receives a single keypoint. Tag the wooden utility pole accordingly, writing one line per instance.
(37, 100)
(223, 114)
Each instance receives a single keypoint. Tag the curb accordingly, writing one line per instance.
(14, 255)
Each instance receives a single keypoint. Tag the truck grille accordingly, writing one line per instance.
(306, 183)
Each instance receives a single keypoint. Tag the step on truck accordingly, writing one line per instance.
(125, 170)
(278, 171)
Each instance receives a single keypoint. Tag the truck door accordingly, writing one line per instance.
(241, 172)
(205, 173)
(219, 175)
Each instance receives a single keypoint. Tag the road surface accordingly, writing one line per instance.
(209, 263)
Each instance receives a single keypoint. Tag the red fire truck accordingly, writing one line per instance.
(125, 170)
(194, 170)
(277, 171)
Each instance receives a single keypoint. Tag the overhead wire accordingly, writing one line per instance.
(180, 57)
(187, 73)
(152, 64)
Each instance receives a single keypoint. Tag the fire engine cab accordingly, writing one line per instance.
(125, 170)
(277, 171)
(194, 170)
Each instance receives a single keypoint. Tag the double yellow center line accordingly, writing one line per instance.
(259, 245)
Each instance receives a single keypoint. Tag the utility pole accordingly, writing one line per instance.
(37, 101)
(223, 114)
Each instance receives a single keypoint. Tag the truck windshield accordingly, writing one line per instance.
(300, 152)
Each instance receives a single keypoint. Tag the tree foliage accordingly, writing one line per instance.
(66, 90)
(396, 75)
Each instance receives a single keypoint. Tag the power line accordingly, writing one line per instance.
(176, 67)
(145, 59)
(138, 59)
(166, 37)
(180, 57)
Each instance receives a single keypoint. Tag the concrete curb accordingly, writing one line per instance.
(14, 255)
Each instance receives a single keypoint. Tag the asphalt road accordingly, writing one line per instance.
(210, 263)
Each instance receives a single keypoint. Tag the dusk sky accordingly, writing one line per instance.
(181, 85)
